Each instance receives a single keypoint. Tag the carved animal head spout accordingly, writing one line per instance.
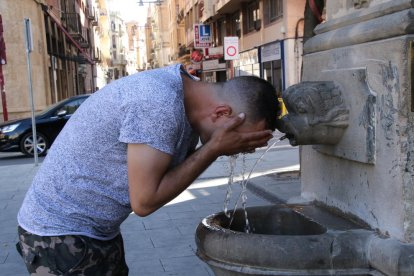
(317, 113)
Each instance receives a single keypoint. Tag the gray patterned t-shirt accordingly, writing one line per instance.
(82, 185)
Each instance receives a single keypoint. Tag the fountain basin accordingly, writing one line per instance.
(284, 240)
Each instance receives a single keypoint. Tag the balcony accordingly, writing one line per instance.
(97, 55)
(123, 60)
(74, 27)
(206, 10)
(92, 14)
(180, 16)
(222, 7)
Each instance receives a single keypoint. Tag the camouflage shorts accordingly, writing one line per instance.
(71, 255)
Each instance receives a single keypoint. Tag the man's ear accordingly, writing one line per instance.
(221, 111)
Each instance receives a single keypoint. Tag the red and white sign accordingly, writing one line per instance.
(231, 47)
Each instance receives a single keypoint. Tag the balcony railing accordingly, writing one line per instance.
(74, 27)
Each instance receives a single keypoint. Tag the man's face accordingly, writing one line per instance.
(246, 126)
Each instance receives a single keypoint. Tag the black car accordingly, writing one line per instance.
(17, 135)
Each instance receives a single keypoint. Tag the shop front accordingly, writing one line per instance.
(248, 64)
(214, 65)
(214, 70)
(271, 58)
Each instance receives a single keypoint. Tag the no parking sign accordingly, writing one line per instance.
(231, 47)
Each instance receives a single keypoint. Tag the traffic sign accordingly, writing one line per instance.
(231, 47)
(202, 36)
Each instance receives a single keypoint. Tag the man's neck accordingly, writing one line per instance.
(198, 98)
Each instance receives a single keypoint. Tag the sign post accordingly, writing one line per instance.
(29, 49)
(3, 61)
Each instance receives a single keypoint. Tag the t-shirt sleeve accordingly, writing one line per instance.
(150, 123)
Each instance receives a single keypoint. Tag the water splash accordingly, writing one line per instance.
(243, 194)
(244, 182)
(232, 165)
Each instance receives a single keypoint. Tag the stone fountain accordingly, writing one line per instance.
(353, 116)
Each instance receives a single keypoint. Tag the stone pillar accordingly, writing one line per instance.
(366, 47)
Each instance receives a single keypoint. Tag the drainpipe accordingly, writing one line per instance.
(259, 54)
(282, 59)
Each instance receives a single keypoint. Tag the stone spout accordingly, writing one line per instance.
(317, 113)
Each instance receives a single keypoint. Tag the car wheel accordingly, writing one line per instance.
(27, 144)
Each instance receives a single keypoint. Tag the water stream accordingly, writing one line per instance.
(232, 166)
(243, 183)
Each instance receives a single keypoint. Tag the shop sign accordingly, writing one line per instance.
(202, 36)
(213, 65)
(270, 52)
(214, 52)
(248, 57)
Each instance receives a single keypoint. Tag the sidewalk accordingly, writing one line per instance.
(163, 243)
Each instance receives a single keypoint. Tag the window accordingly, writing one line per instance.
(221, 31)
(71, 107)
(276, 9)
(235, 24)
(273, 10)
(252, 15)
(272, 72)
(114, 41)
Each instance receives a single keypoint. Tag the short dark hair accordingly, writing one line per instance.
(254, 96)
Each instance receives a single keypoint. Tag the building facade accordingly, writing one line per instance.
(270, 35)
(63, 58)
(102, 54)
(118, 47)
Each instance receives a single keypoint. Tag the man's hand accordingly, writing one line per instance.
(229, 141)
(152, 183)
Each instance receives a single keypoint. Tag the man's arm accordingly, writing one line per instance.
(152, 184)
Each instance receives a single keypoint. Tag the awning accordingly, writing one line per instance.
(71, 39)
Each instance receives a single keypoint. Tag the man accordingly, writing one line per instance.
(131, 147)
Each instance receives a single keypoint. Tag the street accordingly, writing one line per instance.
(162, 243)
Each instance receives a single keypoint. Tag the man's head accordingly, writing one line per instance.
(253, 96)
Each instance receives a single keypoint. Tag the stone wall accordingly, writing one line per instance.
(371, 175)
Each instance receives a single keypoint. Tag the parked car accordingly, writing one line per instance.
(17, 135)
